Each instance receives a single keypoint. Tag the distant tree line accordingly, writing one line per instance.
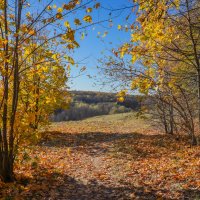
(89, 104)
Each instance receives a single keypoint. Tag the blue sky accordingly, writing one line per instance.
(91, 47)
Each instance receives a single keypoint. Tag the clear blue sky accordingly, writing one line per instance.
(91, 47)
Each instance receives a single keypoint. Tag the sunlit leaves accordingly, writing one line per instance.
(71, 5)
(67, 24)
(88, 19)
(89, 10)
(70, 60)
(119, 27)
(121, 95)
(60, 10)
(49, 8)
(70, 35)
(124, 49)
(33, 45)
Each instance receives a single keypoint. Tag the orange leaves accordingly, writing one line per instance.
(59, 15)
(32, 32)
(71, 5)
(60, 10)
(97, 154)
(70, 35)
(97, 5)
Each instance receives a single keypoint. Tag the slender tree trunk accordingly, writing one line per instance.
(171, 120)
(6, 167)
(196, 59)
(7, 151)
(16, 84)
(198, 89)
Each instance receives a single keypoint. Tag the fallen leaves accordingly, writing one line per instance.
(105, 158)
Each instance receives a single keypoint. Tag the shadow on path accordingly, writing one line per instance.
(56, 186)
(95, 143)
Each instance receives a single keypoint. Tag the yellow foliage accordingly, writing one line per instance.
(88, 19)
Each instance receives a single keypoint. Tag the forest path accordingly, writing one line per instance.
(116, 157)
(84, 160)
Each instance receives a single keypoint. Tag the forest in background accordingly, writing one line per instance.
(86, 104)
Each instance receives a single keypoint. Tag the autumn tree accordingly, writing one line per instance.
(35, 59)
(164, 55)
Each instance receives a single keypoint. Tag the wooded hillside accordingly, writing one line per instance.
(88, 104)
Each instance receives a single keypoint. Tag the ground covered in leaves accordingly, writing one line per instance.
(114, 157)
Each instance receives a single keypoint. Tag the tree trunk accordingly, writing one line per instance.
(198, 89)
(171, 120)
(193, 140)
(6, 164)
(6, 169)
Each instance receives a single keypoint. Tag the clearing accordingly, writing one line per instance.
(115, 157)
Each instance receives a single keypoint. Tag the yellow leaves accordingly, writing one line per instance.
(120, 99)
(45, 69)
(32, 32)
(143, 83)
(55, 68)
(28, 15)
(71, 5)
(3, 42)
(124, 49)
(55, 56)
(119, 27)
(105, 34)
(134, 85)
(48, 100)
(67, 24)
(69, 151)
(176, 3)
(49, 8)
(70, 35)
(87, 19)
(77, 22)
(141, 19)
(89, 10)
(121, 95)
(82, 36)
(42, 72)
(134, 58)
(60, 10)
(70, 59)
(70, 46)
(68, 68)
